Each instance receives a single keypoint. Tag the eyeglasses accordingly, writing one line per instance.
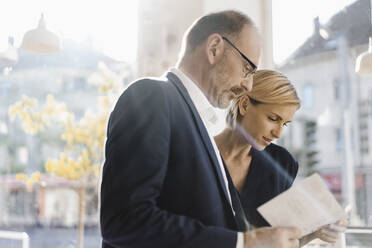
(253, 67)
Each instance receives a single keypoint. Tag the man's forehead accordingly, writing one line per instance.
(248, 34)
(249, 42)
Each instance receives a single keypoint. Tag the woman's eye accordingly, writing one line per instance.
(271, 119)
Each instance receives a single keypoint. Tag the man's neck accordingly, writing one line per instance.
(195, 68)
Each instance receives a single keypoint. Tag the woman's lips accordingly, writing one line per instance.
(267, 141)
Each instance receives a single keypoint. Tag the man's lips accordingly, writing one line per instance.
(237, 90)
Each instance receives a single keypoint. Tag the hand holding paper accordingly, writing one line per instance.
(308, 205)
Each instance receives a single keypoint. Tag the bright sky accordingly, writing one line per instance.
(293, 22)
(111, 25)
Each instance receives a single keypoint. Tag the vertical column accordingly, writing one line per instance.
(267, 34)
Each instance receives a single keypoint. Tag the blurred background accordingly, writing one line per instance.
(63, 64)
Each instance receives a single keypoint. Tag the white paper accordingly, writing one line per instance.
(307, 205)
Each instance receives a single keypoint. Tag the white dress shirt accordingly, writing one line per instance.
(209, 118)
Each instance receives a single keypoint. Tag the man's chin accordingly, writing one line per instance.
(214, 104)
(223, 103)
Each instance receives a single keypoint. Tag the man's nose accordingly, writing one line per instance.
(247, 83)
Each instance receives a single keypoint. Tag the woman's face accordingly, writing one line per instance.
(265, 122)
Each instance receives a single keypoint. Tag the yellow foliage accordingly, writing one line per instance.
(84, 138)
(35, 177)
(29, 185)
(49, 166)
(29, 181)
(21, 177)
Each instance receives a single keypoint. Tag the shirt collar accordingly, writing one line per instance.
(202, 105)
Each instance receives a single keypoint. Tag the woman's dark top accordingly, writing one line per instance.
(271, 172)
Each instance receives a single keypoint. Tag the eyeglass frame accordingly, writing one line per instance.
(251, 64)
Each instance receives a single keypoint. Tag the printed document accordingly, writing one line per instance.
(307, 205)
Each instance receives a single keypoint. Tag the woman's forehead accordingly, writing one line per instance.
(284, 111)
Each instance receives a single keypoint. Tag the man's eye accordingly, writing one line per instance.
(271, 119)
(247, 72)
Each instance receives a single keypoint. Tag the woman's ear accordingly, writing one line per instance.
(214, 48)
(244, 104)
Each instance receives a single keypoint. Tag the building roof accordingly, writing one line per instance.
(73, 55)
(354, 21)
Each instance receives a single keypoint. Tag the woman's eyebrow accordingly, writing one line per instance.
(277, 115)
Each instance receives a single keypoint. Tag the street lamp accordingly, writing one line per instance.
(348, 175)
(364, 61)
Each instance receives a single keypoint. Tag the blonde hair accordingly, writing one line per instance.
(269, 87)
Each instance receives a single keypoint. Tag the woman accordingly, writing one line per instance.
(261, 170)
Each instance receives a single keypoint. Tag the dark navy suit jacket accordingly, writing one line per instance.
(272, 171)
(161, 182)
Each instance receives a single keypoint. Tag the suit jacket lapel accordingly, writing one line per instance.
(240, 218)
(202, 129)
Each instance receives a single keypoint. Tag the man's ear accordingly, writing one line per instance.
(215, 48)
(244, 104)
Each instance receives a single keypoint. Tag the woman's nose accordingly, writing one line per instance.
(277, 132)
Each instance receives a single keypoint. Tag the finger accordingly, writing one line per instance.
(294, 243)
(293, 232)
(342, 223)
(328, 236)
(336, 228)
(329, 239)
(329, 232)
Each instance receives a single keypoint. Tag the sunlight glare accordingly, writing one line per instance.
(293, 22)
(108, 25)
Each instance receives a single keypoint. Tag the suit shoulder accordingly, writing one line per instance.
(282, 154)
(148, 83)
(277, 150)
(149, 87)
(146, 87)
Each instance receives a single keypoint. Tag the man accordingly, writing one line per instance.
(163, 182)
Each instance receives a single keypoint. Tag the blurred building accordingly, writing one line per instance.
(162, 23)
(64, 75)
(52, 203)
(322, 69)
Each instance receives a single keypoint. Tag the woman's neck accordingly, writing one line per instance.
(232, 145)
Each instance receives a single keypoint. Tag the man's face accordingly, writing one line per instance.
(231, 75)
